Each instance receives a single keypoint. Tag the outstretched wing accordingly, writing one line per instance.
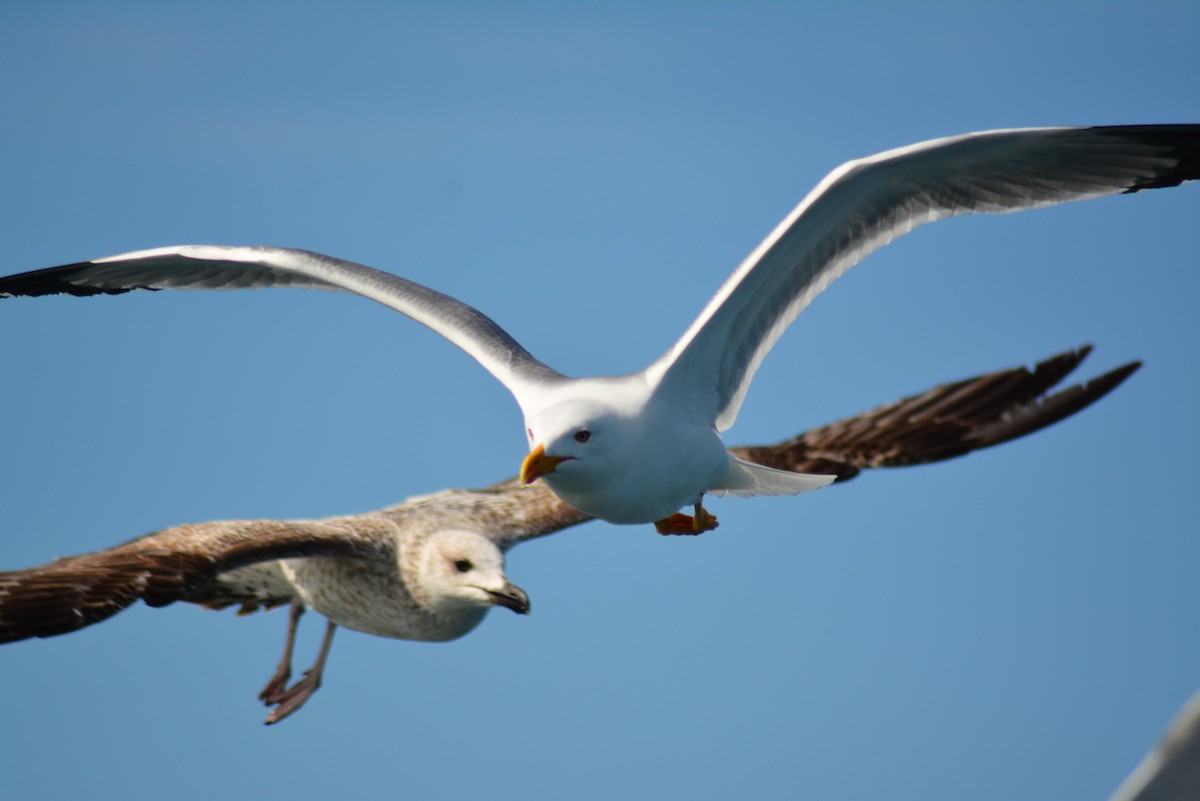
(171, 565)
(507, 513)
(944, 422)
(187, 562)
(218, 267)
(865, 204)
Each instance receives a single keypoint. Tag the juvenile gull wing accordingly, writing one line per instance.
(229, 563)
(865, 204)
(945, 422)
(171, 565)
(219, 267)
(186, 562)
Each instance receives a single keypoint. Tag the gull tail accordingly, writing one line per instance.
(746, 478)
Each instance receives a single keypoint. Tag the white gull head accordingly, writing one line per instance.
(612, 448)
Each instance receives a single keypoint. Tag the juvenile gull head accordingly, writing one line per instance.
(462, 572)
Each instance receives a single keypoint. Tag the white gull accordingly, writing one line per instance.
(636, 448)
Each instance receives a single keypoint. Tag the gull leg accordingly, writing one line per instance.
(680, 523)
(294, 697)
(283, 671)
(703, 521)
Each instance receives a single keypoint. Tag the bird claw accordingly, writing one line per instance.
(276, 686)
(291, 699)
(679, 523)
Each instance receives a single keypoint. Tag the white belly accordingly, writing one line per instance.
(654, 485)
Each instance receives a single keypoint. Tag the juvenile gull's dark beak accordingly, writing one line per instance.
(511, 597)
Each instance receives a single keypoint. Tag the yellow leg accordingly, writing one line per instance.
(703, 521)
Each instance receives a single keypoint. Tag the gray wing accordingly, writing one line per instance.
(219, 267)
(865, 204)
(942, 423)
(1170, 772)
(176, 564)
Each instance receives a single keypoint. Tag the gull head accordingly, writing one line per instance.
(611, 449)
(580, 438)
(464, 571)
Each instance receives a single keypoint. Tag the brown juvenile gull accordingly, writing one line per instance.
(430, 568)
(639, 447)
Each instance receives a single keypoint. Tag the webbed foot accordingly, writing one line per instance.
(293, 697)
(680, 523)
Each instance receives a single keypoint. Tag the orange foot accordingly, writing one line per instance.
(680, 523)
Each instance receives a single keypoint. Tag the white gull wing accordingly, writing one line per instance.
(865, 204)
(219, 267)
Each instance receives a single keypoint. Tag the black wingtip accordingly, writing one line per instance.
(1179, 144)
(55, 281)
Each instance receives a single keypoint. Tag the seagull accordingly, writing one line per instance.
(431, 567)
(637, 448)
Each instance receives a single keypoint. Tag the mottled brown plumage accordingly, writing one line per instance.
(366, 571)
(944, 422)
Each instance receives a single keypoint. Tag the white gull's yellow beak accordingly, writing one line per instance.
(538, 464)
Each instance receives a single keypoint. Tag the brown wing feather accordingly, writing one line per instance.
(506, 512)
(174, 564)
(185, 562)
(947, 421)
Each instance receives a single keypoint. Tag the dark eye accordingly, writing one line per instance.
(583, 436)
(463, 566)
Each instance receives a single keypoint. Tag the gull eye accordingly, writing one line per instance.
(463, 566)
(583, 435)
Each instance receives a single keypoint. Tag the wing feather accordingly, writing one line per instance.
(945, 422)
(207, 563)
(171, 565)
(865, 204)
(219, 267)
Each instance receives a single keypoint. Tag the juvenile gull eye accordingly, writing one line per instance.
(462, 566)
(583, 436)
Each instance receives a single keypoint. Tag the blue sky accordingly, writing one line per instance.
(1018, 624)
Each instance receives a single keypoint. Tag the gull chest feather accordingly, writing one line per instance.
(372, 598)
(657, 475)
